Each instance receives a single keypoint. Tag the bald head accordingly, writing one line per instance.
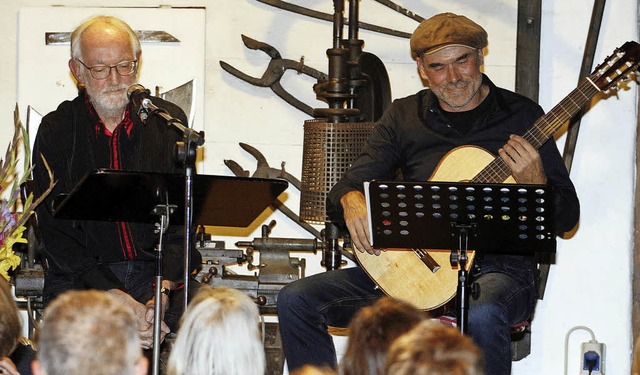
(99, 29)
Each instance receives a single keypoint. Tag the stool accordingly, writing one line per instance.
(520, 335)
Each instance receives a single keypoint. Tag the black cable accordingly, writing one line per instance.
(591, 360)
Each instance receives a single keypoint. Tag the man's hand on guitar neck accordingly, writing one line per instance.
(354, 205)
(524, 161)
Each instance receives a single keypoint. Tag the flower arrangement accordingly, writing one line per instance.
(12, 224)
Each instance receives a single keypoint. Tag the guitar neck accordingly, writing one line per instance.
(543, 129)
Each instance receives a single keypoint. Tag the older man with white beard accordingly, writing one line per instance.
(100, 129)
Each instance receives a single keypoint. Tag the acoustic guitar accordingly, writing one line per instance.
(425, 278)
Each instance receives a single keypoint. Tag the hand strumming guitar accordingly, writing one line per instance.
(524, 161)
(354, 205)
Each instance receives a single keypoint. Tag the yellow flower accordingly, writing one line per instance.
(8, 259)
(12, 225)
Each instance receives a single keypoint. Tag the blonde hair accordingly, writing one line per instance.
(219, 334)
(432, 348)
(10, 322)
(372, 330)
(88, 332)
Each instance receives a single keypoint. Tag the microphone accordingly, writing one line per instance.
(139, 96)
(141, 99)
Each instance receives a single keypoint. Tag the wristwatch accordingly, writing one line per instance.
(165, 291)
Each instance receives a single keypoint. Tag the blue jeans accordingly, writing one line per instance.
(508, 293)
(137, 277)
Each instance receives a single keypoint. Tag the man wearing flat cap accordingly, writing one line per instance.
(460, 107)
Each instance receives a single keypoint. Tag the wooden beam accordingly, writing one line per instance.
(528, 48)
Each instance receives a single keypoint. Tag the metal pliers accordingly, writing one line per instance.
(265, 171)
(275, 70)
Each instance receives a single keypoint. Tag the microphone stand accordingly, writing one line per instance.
(186, 152)
(164, 212)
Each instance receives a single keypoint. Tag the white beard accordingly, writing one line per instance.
(111, 101)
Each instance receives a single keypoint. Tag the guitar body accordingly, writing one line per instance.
(400, 273)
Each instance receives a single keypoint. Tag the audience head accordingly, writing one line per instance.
(432, 348)
(10, 323)
(219, 334)
(313, 370)
(88, 332)
(371, 332)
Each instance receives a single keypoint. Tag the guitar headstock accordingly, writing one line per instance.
(620, 64)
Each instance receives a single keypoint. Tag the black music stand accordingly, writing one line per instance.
(152, 197)
(508, 218)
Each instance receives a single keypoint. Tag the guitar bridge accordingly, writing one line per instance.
(427, 259)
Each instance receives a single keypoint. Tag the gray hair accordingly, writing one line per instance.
(219, 334)
(76, 35)
(83, 328)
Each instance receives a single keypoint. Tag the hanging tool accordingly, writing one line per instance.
(274, 72)
(401, 10)
(329, 17)
(264, 170)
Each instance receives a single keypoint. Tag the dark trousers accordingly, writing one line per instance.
(137, 277)
(508, 293)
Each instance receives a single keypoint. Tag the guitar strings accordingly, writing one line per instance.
(497, 171)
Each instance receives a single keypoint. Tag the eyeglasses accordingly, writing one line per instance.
(124, 68)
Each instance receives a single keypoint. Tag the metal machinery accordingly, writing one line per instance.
(357, 91)
(276, 267)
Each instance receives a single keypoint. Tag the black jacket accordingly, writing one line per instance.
(72, 143)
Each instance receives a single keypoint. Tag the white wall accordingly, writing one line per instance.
(591, 283)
